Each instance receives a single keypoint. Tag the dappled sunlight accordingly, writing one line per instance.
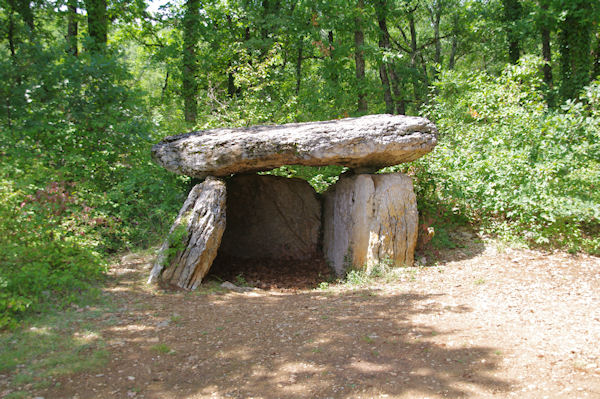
(45, 330)
(411, 338)
(86, 337)
(305, 344)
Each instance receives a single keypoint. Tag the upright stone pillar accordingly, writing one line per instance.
(369, 219)
(193, 241)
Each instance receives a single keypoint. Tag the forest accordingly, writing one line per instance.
(87, 87)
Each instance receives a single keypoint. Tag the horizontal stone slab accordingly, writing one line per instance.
(368, 142)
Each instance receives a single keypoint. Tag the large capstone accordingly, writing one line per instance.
(193, 241)
(270, 217)
(370, 219)
(365, 143)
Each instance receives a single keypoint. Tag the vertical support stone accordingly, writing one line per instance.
(369, 219)
(192, 244)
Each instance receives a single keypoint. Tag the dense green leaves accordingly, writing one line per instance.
(76, 181)
(507, 161)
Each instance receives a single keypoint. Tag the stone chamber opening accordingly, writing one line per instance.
(273, 234)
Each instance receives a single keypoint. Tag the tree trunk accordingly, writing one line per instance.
(413, 56)
(359, 56)
(399, 101)
(596, 67)
(425, 76)
(190, 64)
(299, 67)
(165, 86)
(436, 35)
(384, 44)
(11, 35)
(398, 104)
(97, 24)
(454, 42)
(387, 94)
(231, 89)
(12, 45)
(334, 75)
(546, 51)
(435, 15)
(575, 49)
(512, 15)
(452, 58)
(72, 28)
(23, 8)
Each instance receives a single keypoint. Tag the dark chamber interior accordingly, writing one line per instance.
(271, 273)
(272, 235)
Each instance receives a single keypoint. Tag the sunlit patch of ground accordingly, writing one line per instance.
(485, 321)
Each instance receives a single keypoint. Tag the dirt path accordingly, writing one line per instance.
(482, 323)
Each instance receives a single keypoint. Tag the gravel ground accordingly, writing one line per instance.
(484, 321)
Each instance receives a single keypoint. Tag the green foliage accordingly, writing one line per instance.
(177, 240)
(319, 177)
(76, 180)
(161, 348)
(240, 280)
(46, 252)
(508, 162)
(54, 344)
(383, 270)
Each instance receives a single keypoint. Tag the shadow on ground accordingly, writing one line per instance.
(347, 343)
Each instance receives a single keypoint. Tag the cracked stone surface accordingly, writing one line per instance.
(368, 219)
(366, 143)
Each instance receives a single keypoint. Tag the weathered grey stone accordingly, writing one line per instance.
(371, 142)
(232, 287)
(369, 219)
(271, 217)
(193, 241)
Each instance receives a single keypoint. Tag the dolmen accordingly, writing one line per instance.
(363, 219)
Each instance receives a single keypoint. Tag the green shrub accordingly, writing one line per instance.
(506, 161)
(76, 179)
(46, 256)
(320, 177)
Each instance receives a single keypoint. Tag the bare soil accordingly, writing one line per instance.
(484, 321)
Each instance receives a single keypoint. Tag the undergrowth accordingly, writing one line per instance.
(509, 164)
(54, 344)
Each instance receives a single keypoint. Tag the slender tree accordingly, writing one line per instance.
(453, 41)
(544, 27)
(384, 44)
(414, 54)
(596, 67)
(191, 35)
(97, 24)
(359, 56)
(575, 43)
(435, 9)
(299, 59)
(72, 27)
(512, 14)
